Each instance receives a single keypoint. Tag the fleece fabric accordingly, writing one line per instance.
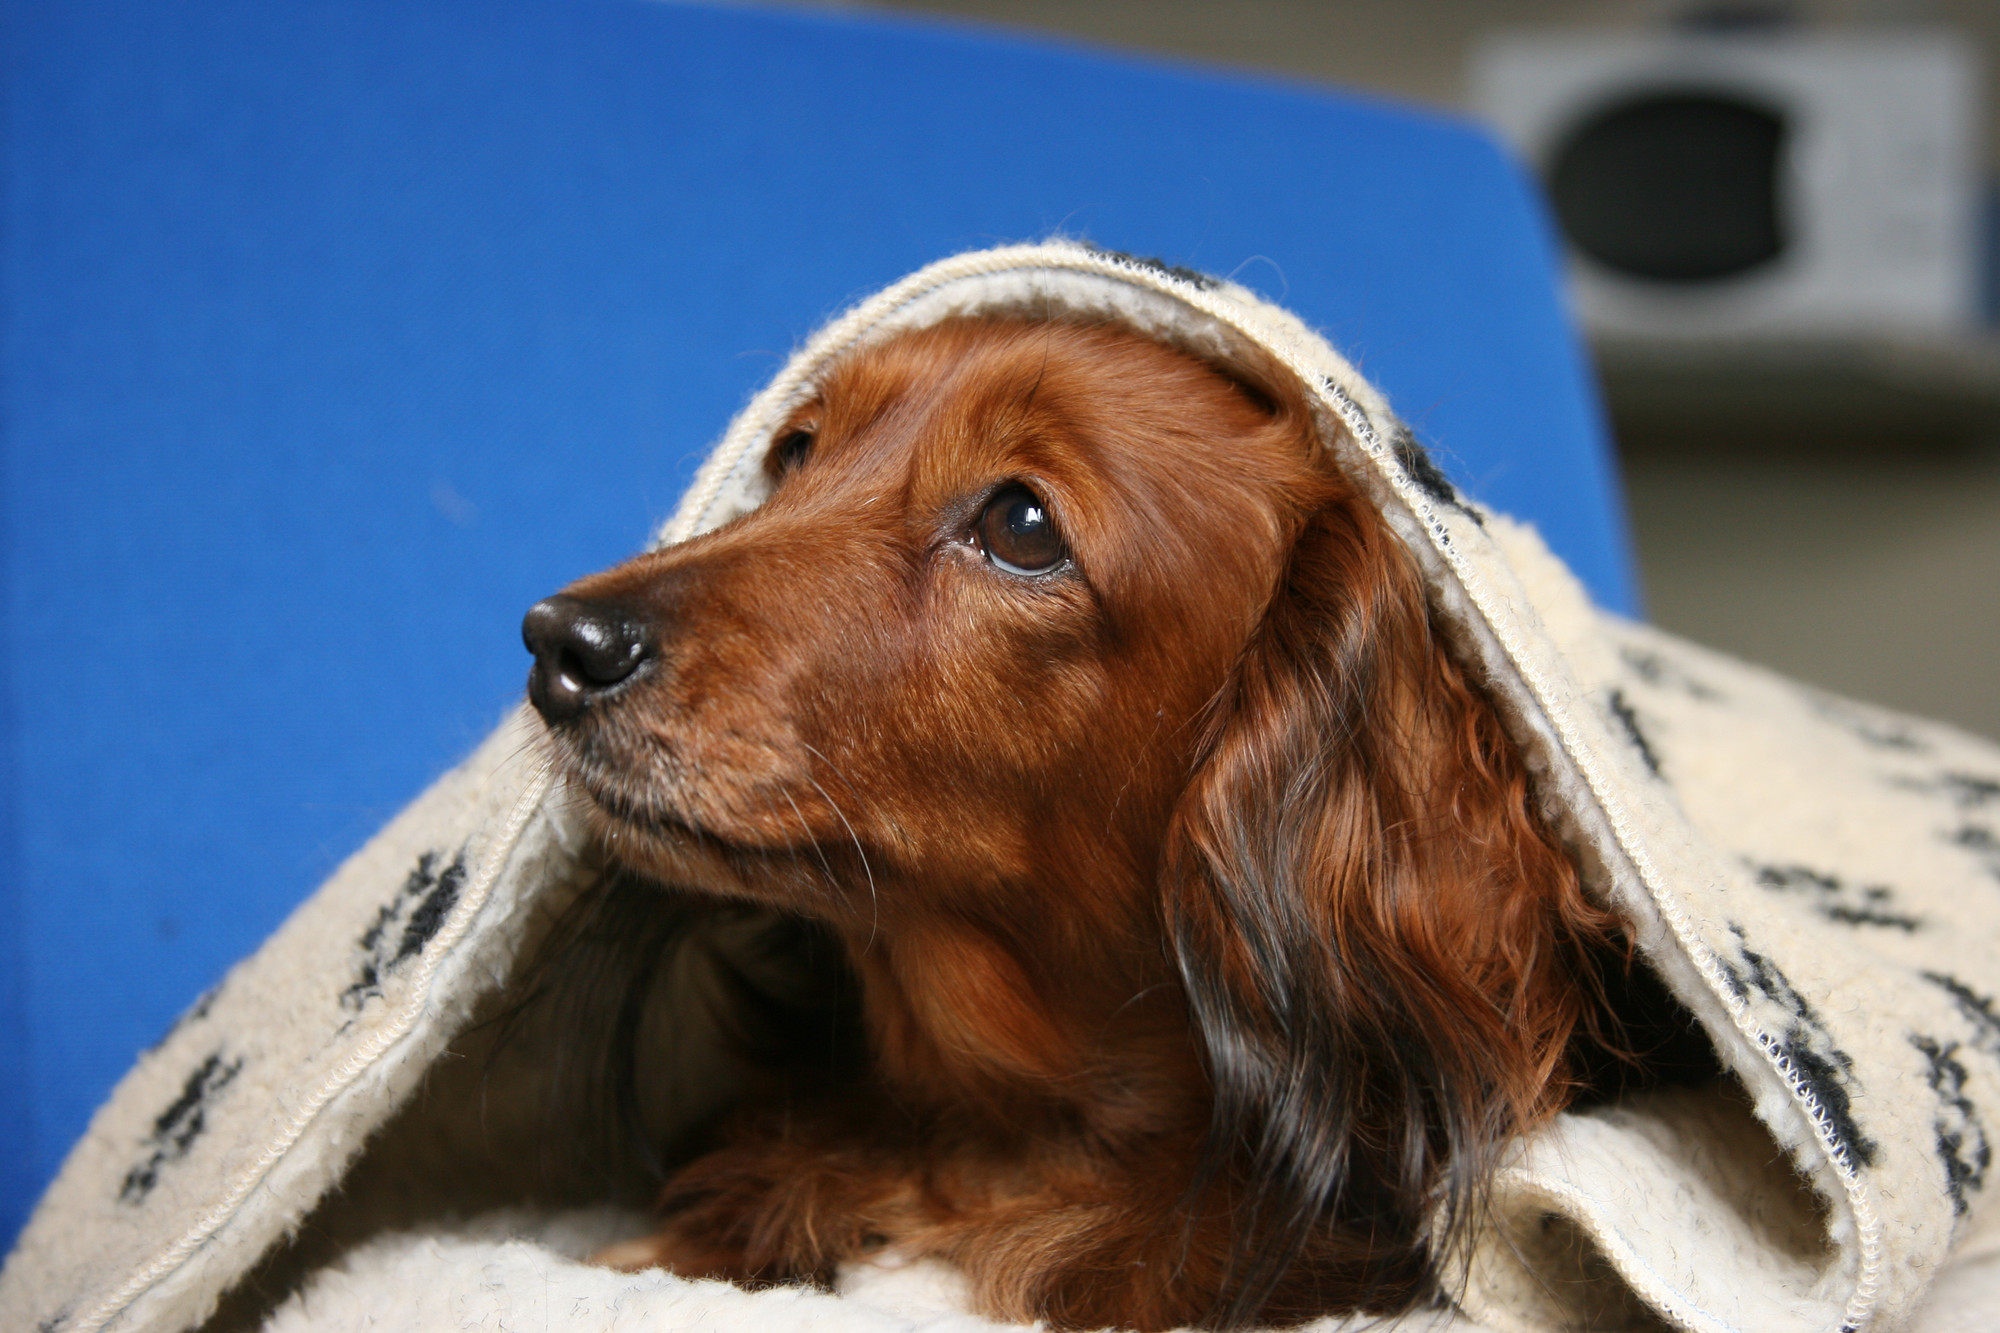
(1817, 881)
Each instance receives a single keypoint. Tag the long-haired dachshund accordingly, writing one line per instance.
(1203, 935)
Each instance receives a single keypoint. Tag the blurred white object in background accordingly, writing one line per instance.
(1747, 183)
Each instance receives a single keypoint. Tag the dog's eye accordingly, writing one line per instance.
(791, 449)
(1018, 533)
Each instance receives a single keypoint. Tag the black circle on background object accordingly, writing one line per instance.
(1673, 186)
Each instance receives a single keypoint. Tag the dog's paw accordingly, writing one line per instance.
(633, 1256)
(684, 1256)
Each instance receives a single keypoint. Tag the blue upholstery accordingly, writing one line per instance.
(338, 331)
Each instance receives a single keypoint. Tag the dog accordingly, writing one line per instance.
(1203, 937)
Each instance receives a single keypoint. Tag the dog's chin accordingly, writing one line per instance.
(656, 826)
(658, 843)
(653, 839)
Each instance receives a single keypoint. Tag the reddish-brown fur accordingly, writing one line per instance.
(1209, 942)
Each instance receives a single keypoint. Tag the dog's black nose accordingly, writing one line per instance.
(582, 649)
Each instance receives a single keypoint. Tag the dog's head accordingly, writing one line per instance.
(969, 639)
(1063, 669)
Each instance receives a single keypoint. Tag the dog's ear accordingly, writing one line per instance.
(1385, 951)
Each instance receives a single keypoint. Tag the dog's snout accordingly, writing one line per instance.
(582, 649)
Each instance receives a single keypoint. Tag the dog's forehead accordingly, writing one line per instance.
(981, 363)
(986, 391)
(938, 376)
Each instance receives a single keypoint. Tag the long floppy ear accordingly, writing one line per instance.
(1384, 949)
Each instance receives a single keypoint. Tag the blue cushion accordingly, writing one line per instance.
(339, 331)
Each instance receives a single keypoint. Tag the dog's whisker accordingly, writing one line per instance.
(812, 839)
(874, 902)
(788, 846)
(1132, 771)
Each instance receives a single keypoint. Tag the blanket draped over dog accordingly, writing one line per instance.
(1818, 882)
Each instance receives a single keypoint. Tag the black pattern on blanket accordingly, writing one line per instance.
(1961, 1138)
(177, 1127)
(1805, 1040)
(1835, 898)
(405, 925)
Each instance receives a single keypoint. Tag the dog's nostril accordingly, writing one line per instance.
(581, 650)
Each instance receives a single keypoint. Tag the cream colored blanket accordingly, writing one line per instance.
(1817, 881)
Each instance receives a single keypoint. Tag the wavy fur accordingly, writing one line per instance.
(1208, 943)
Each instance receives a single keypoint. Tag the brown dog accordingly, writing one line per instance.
(1207, 939)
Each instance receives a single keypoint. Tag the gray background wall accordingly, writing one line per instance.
(1869, 566)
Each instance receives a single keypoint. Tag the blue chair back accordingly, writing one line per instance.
(337, 332)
